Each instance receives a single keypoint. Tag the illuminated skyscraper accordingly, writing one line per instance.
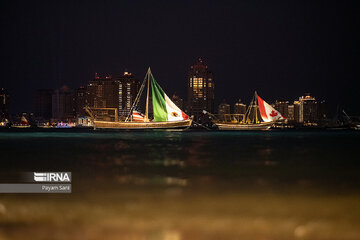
(298, 112)
(291, 112)
(108, 92)
(103, 92)
(103, 97)
(282, 107)
(128, 89)
(309, 109)
(200, 89)
(306, 110)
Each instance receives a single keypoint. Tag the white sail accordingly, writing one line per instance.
(267, 112)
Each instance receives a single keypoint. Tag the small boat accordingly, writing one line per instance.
(4, 123)
(46, 125)
(166, 115)
(24, 123)
(250, 120)
(63, 125)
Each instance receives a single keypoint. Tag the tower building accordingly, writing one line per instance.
(200, 89)
(128, 89)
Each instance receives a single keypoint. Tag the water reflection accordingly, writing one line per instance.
(190, 185)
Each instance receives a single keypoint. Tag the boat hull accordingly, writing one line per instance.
(21, 126)
(243, 127)
(142, 125)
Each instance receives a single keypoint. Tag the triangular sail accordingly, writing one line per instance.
(158, 101)
(163, 108)
(24, 120)
(267, 112)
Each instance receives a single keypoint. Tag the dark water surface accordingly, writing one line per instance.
(186, 185)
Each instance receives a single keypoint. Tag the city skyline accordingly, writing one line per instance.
(106, 91)
(104, 94)
(281, 49)
(182, 94)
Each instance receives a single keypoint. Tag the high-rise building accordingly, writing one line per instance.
(103, 92)
(200, 89)
(4, 104)
(309, 109)
(128, 88)
(43, 103)
(282, 107)
(291, 112)
(298, 114)
(63, 104)
(306, 110)
(239, 107)
(178, 101)
(80, 102)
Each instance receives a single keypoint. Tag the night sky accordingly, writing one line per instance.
(282, 49)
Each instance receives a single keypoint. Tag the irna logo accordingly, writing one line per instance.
(52, 177)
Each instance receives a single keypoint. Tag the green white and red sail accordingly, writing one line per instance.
(267, 112)
(163, 108)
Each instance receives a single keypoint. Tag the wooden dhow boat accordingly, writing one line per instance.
(251, 120)
(166, 115)
(24, 123)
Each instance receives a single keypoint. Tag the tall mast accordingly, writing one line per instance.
(248, 111)
(147, 96)
(256, 107)
(137, 99)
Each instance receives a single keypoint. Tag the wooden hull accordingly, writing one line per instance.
(143, 125)
(21, 126)
(243, 127)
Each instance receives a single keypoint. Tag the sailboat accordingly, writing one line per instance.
(4, 123)
(251, 120)
(166, 115)
(24, 123)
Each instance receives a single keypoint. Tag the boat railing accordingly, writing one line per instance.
(104, 114)
(230, 118)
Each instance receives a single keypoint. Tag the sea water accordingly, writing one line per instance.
(186, 185)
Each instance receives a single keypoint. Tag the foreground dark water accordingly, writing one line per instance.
(186, 185)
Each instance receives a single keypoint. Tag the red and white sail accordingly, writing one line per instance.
(24, 121)
(138, 116)
(267, 112)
